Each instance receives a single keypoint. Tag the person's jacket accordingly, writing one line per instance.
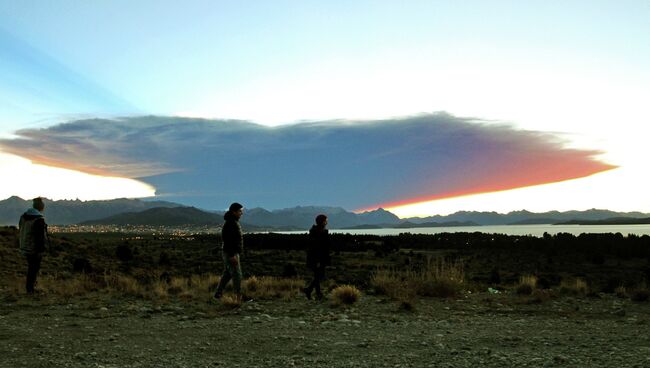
(318, 250)
(231, 235)
(32, 233)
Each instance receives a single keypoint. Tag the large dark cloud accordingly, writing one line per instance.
(353, 164)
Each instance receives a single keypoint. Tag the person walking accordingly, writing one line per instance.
(33, 240)
(233, 246)
(318, 255)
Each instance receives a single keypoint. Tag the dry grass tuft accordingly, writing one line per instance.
(230, 301)
(438, 278)
(539, 296)
(345, 295)
(267, 287)
(159, 290)
(68, 286)
(251, 284)
(388, 282)
(124, 285)
(576, 286)
(621, 292)
(527, 284)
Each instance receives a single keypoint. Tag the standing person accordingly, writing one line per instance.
(318, 255)
(233, 246)
(33, 240)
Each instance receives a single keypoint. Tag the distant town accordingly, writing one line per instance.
(176, 231)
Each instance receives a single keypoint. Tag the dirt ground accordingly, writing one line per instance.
(480, 329)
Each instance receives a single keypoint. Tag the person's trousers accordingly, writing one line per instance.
(319, 275)
(33, 266)
(230, 272)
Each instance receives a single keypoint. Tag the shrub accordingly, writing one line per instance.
(345, 295)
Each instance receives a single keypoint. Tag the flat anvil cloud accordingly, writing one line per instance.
(354, 164)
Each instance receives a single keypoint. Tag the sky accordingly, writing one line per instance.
(425, 107)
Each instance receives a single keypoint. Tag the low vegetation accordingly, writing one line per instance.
(345, 295)
(160, 289)
(576, 286)
(406, 267)
(527, 284)
(436, 278)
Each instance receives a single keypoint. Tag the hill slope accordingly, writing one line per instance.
(161, 216)
(72, 212)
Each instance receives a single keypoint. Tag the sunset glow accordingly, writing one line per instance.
(28, 180)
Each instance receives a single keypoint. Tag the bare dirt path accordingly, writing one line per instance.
(475, 330)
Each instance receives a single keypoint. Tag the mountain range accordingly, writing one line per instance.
(68, 212)
(161, 213)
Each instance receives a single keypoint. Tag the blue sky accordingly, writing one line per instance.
(577, 69)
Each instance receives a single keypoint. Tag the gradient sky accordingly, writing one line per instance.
(575, 70)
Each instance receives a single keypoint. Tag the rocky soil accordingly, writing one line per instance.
(480, 329)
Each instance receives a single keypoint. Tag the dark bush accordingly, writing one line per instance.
(166, 277)
(124, 253)
(81, 265)
(495, 276)
(543, 283)
(289, 270)
(640, 295)
(598, 259)
(524, 289)
(164, 259)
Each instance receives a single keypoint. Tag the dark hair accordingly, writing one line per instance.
(235, 206)
(38, 203)
(320, 219)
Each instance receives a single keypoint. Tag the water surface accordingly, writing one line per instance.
(535, 230)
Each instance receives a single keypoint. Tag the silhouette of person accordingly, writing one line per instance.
(233, 246)
(318, 255)
(33, 240)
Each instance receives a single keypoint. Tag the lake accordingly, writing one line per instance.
(535, 230)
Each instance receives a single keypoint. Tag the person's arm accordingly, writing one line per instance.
(228, 236)
(39, 235)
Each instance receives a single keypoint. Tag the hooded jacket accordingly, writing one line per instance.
(33, 232)
(231, 234)
(318, 250)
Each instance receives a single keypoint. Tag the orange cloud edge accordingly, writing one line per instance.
(495, 189)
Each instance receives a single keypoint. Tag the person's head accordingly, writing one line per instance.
(38, 204)
(236, 209)
(321, 220)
